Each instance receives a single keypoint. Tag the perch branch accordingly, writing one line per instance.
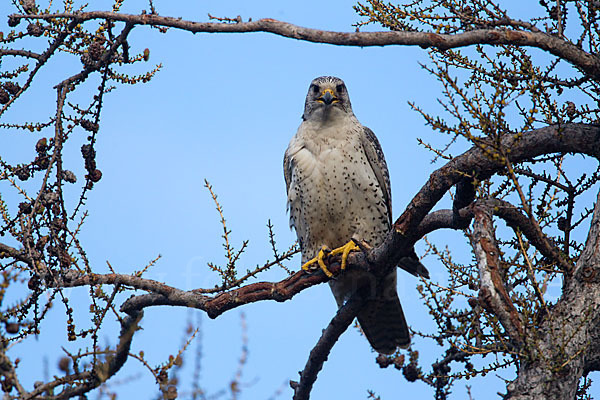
(570, 138)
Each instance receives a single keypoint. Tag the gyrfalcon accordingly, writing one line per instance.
(338, 189)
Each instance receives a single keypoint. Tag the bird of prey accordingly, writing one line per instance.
(338, 189)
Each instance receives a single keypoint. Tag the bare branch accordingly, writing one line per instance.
(570, 138)
(510, 214)
(21, 53)
(318, 355)
(561, 48)
(102, 372)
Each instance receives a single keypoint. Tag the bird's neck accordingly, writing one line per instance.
(319, 132)
(325, 117)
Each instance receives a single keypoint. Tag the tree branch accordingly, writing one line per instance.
(570, 138)
(566, 344)
(21, 53)
(214, 306)
(587, 62)
(510, 214)
(318, 355)
(101, 373)
(8, 251)
(42, 59)
(492, 293)
(104, 60)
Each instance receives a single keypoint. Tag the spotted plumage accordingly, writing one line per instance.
(338, 188)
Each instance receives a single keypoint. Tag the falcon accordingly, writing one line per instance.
(338, 192)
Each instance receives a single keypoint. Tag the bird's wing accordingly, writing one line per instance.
(374, 154)
(287, 170)
(376, 159)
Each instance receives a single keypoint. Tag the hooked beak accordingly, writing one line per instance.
(327, 97)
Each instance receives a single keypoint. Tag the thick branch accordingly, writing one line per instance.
(214, 306)
(570, 138)
(589, 63)
(492, 293)
(441, 219)
(566, 345)
(8, 251)
(465, 194)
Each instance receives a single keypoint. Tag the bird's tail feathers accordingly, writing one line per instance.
(383, 323)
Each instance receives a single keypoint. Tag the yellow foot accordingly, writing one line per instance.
(345, 250)
(319, 259)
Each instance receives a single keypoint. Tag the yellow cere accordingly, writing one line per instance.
(335, 99)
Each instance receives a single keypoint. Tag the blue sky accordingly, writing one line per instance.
(223, 108)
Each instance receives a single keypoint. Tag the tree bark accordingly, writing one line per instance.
(589, 63)
(566, 345)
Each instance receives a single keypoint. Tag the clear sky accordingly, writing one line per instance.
(224, 107)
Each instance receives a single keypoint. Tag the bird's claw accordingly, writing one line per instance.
(319, 260)
(324, 252)
(345, 250)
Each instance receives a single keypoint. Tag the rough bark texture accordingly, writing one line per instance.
(492, 293)
(566, 345)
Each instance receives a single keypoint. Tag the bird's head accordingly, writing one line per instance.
(327, 95)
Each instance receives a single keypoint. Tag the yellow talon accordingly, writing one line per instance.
(319, 260)
(345, 250)
(321, 263)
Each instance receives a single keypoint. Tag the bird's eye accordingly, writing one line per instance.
(314, 88)
(340, 88)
